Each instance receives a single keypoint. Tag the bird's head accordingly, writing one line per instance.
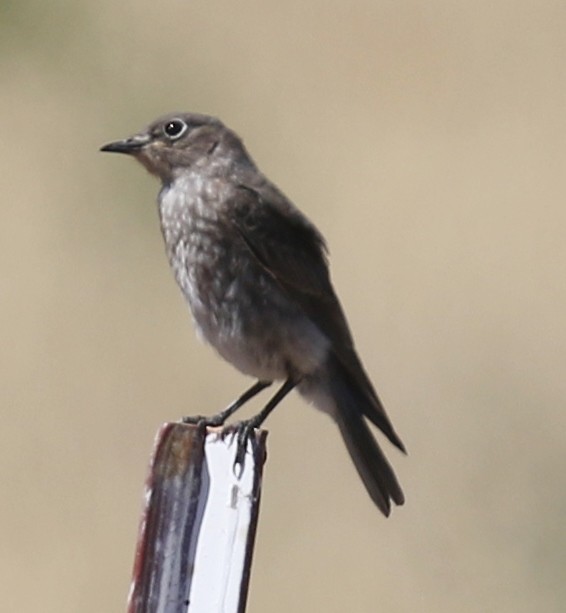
(181, 141)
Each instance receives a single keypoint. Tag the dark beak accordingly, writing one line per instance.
(128, 145)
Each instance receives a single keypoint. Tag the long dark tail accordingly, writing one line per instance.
(351, 403)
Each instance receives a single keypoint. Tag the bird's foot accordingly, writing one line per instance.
(220, 418)
(213, 421)
(242, 431)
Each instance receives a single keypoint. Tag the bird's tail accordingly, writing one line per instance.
(348, 408)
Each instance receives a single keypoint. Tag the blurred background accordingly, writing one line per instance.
(426, 140)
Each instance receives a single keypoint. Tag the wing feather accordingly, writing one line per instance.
(293, 252)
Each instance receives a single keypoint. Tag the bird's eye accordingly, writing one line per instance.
(175, 128)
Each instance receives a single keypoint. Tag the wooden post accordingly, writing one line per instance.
(197, 530)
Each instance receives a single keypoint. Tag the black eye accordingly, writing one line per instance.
(174, 128)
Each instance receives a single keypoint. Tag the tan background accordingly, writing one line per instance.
(426, 139)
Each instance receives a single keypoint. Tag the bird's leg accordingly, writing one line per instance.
(244, 429)
(220, 418)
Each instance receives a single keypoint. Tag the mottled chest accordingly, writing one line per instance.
(237, 305)
(199, 239)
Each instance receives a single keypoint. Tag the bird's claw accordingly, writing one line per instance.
(214, 421)
(243, 432)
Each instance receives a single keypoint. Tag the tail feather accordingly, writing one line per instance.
(371, 464)
(369, 402)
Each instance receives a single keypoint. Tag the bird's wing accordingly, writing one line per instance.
(293, 252)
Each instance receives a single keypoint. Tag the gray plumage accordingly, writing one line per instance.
(254, 271)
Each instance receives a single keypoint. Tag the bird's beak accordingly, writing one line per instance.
(129, 145)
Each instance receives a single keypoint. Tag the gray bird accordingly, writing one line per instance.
(254, 271)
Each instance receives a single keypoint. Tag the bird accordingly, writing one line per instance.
(254, 271)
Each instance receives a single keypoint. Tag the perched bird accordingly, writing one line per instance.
(254, 271)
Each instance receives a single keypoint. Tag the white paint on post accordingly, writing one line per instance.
(224, 533)
(197, 530)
